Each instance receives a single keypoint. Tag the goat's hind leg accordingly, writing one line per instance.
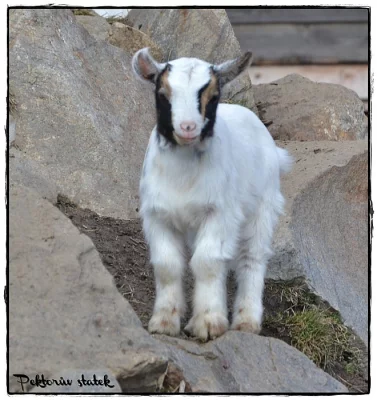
(250, 268)
(168, 260)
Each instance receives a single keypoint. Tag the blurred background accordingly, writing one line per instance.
(324, 44)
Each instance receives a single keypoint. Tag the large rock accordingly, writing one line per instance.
(330, 229)
(202, 33)
(65, 312)
(295, 108)
(323, 235)
(67, 316)
(83, 120)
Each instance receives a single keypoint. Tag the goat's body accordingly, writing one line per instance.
(222, 198)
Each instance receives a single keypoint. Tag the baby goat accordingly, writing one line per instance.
(210, 183)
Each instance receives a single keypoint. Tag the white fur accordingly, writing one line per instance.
(222, 198)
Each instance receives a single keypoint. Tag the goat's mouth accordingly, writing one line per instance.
(183, 140)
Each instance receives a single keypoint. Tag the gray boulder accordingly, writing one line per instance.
(330, 229)
(83, 120)
(295, 108)
(65, 312)
(202, 33)
(323, 235)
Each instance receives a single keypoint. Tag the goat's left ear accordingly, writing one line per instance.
(229, 70)
(145, 66)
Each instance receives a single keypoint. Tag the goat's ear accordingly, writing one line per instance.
(145, 66)
(229, 70)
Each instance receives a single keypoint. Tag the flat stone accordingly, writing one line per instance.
(240, 362)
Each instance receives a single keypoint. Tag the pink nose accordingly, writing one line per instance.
(188, 126)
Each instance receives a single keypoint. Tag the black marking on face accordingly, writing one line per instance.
(163, 107)
(210, 95)
(200, 94)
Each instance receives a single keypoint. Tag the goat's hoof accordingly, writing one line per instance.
(246, 325)
(245, 320)
(165, 322)
(206, 326)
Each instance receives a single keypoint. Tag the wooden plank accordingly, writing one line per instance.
(354, 77)
(296, 15)
(305, 44)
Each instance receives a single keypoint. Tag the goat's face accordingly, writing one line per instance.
(187, 93)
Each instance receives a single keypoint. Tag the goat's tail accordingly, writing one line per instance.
(285, 160)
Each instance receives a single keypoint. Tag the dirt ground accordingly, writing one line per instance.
(124, 253)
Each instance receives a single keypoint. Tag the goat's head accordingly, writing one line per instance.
(187, 93)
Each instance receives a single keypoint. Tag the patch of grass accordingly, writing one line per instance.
(84, 11)
(303, 320)
(292, 295)
(320, 335)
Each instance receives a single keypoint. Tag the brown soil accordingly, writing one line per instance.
(124, 253)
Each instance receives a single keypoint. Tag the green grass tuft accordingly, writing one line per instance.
(319, 334)
(310, 325)
(84, 11)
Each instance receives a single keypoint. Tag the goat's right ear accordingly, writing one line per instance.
(145, 66)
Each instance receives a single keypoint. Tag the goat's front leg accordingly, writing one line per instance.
(168, 260)
(208, 264)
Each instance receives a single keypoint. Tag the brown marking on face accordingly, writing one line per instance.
(165, 86)
(210, 91)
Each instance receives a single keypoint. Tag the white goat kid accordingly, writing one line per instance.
(210, 182)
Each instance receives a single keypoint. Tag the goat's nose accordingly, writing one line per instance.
(188, 126)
